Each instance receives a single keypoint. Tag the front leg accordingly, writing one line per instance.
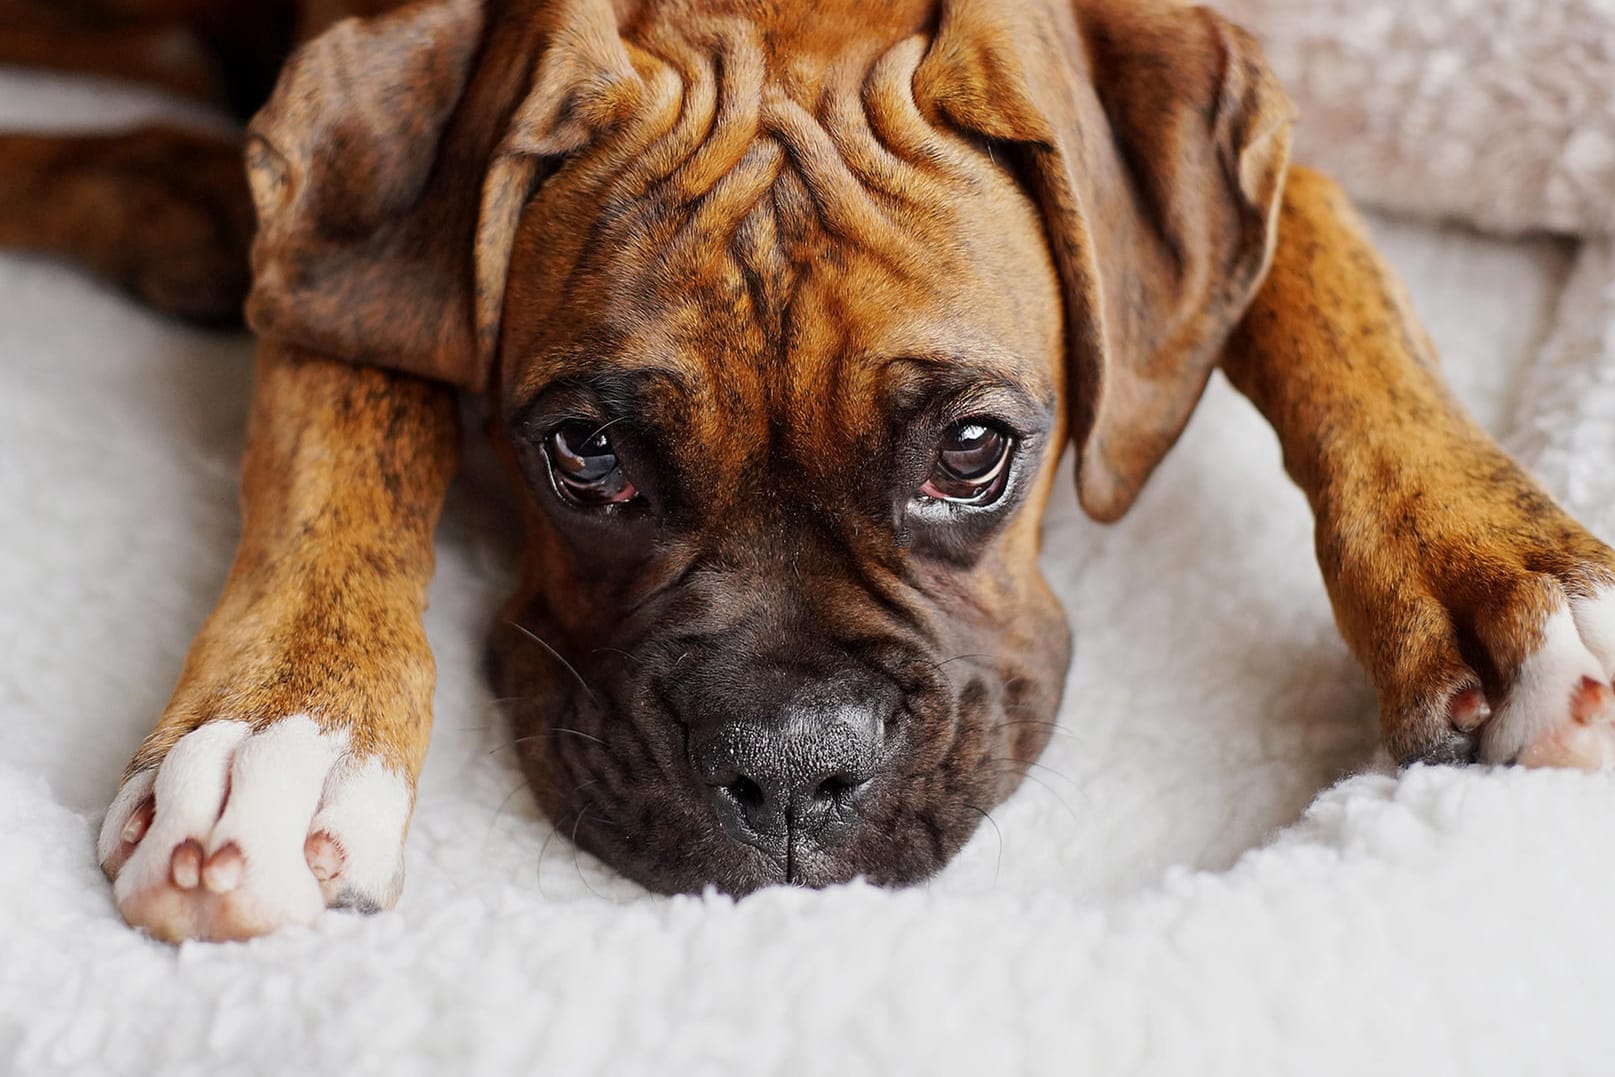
(1482, 611)
(280, 779)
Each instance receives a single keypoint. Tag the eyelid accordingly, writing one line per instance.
(1005, 410)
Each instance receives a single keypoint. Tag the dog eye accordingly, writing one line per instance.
(585, 466)
(972, 464)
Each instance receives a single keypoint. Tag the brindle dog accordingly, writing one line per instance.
(787, 311)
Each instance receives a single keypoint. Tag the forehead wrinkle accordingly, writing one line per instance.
(896, 122)
(896, 157)
(708, 230)
(685, 76)
(737, 70)
(758, 247)
(842, 201)
(735, 195)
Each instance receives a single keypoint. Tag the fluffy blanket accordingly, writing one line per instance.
(1208, 873)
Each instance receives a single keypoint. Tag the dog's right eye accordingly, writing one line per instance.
(585, 468)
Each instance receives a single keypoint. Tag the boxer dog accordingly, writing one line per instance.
(786, 311)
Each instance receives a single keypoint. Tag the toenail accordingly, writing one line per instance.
(138, 823)
(186, 866)
(1590, 699)
(324, 855)
(1469, 710)
(222, 872)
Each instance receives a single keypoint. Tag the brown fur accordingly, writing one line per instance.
(1441, 556)
(773, 245)
(343, 480)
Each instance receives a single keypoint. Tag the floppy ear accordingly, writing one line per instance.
(1156, 142)
(363, 249)
(391, 165)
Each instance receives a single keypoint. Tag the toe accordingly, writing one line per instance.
(1594, 615)
(1558, 675)
(1585, 740)
(1590, 701)
(363, 820)
(126, 822)
(139, 822)
(1468, 710)
(222, 872)
(185, 866)
(238, 833)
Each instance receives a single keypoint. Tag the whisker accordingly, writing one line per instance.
(523, 784)
(1053, 792)
(1072, 782)
(516, 742)
(959, 657)
(619, 651)
(999, 862)
(578, 733)
(1053, 727)
(557, 656)
(543, 850)
(577, 865)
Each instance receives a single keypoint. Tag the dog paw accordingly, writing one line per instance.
(1537, 692)
(1560, 710)
(237, 833)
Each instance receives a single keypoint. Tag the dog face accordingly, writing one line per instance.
(791, 317)
(785, 438)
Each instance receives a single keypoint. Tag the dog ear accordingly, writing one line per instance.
(363, 249)
(1156, 141)
(393, 161)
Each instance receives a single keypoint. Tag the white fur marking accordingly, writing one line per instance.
(276, 782)
(288, 780)
(189, 787)
(367, 810)
(1595, 620)
(1538, 705)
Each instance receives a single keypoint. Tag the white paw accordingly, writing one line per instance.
(237, 834)
(1560, 711)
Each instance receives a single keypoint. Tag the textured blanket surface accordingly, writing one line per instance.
(1498, 112)
(1207, 874)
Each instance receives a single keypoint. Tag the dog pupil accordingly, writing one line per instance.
(972, 450)
(590, 463)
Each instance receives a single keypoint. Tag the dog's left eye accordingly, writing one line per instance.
(972, 464)
(585, 466)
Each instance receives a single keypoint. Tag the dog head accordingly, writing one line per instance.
(788, 311)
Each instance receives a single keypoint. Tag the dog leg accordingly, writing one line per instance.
(280, 779)
(162, 212)
(1484, 614)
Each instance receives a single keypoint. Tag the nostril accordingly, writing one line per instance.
(835, 788)
(747, 793)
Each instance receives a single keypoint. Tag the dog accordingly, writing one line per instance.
(785, 313)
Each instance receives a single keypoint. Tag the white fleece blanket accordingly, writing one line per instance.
(1188, 883)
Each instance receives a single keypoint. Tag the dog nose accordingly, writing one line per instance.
(800, 772)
